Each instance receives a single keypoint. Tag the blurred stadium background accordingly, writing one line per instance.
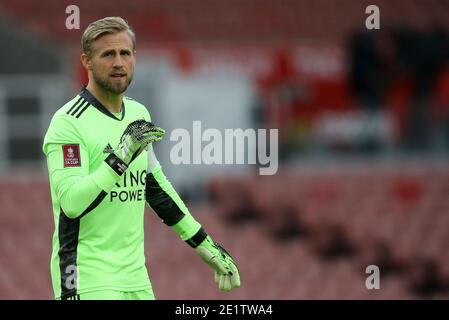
(363, 118)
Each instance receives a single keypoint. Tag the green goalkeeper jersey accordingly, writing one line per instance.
(98, 242)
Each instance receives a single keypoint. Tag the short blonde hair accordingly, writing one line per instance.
(108, 25)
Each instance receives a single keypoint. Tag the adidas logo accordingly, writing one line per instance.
(108, 149)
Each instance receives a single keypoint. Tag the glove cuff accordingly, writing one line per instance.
(196, 240)
(116, 164)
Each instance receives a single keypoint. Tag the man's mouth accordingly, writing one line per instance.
(118, 75)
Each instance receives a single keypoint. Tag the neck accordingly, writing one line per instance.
(111, 101)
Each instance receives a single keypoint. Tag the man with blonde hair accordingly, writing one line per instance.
(102, 170)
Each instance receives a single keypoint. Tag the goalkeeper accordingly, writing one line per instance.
(102, 170)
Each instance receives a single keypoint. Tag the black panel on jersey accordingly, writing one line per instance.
(160, 201)
(95, 203)
(68, 243)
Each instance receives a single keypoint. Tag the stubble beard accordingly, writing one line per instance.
(113, 87)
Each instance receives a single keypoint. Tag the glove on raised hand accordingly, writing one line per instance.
(135, 138)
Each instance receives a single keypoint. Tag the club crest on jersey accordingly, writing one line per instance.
(71, 153)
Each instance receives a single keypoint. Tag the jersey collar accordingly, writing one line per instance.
(97, 104)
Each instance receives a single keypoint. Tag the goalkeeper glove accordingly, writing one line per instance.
(226, 273)
(135, 138)
(133, 141)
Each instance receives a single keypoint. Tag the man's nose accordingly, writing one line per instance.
(118, 61)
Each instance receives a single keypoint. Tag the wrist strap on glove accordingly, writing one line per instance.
(197, 238)
(116, 164)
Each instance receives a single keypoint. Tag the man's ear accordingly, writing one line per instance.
(86, 61)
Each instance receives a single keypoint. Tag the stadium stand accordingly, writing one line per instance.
(343, 220)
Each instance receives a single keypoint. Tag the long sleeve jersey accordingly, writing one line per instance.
(98, 242)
